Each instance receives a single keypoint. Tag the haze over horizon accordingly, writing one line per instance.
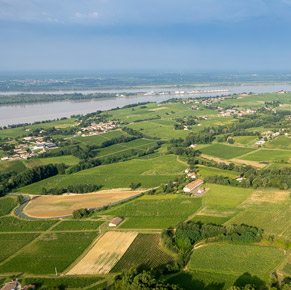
(185, 35)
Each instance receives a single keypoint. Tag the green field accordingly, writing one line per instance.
(262, 155)
(11, 243)
(66, 159)
(144, 252)
(158, 211)
(13, 224)
(99, 139)
(206, 171)
(269, 210)
(77, 225)
(245, 140)
(225, 151)
(281, 142)
(12, 166)
(7, 203)
(236, 260)
(49, 251)
(222, 201)
(149, 172)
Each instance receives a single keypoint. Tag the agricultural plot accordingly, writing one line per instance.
(225, 151)
(13, 224)
(282, 142)
(221, 202)
(144, 251)
(158, 130)
(270, 155)
(49, 206)
(99, 139)
(149, 172)
(7, 203)
(11, 166)
(206, 171)
(230, 259)
(66, 159)
(124, 148)
(77, 225)
(204, 280)
(266, 209)
(104, 254)
(11, 243)
(48, 251)
(156, 212)
(245, 140)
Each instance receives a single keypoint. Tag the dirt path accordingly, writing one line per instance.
(248, 162)
(216, 159)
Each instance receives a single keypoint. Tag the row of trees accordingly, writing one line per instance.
(76, 188)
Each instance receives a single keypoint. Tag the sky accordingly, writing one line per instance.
(149, 35)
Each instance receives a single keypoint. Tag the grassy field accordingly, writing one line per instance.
(13, 224)
(221, 202)
(144, 252)
(49, 251)
(7, 203)
(225, 151)
(99, 139)
(66, 159)
(11, 243)
(282, 142)
(156, 211)
(149, 172)
(267, 209)
(245, 140)
(11, 166)
(206, 171)
(236, 260)
(268, 155)
(77, 225)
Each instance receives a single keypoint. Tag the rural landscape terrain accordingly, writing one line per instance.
(200, 187)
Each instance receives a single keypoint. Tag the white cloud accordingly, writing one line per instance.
(90, 15)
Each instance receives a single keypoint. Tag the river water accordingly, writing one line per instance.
(28, 113)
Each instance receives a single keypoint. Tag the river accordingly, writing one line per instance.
(32, 112)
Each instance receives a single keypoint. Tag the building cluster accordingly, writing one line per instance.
(98, 128)
(15, 285)
(30, 147)
(210, 101)
(231, 112)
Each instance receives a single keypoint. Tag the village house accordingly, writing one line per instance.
(193, 186)
(15, 285)
(115, 222)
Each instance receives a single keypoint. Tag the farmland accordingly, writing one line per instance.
(144, 251)
(236, 260)
(156, 211)
(144, 154)
(225, 151)
(47, 252)
(53, 206)
(7, 204)
(268, 155)
(149, 173)
(104, 254)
